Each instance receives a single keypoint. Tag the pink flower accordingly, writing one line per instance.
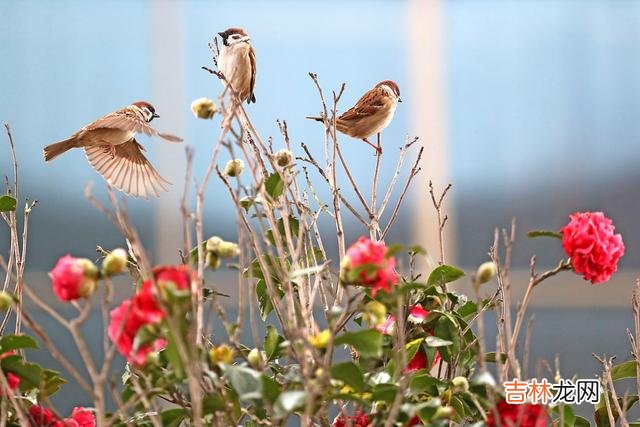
(526, 415)
(42, 417)
(73, 278)
(419, 361)
(177, 276)
(359, 419)
(590, 242)
(132, 315)
(375, 269)
(80, 417)
(417, 315)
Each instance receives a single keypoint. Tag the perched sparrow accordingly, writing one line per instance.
(371, 114)
(237, 62)
(113, 151)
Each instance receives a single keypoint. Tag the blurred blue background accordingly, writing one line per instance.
(538, 101)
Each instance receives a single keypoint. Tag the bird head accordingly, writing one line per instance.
(233, 36)
(148, 111)
(391, 88)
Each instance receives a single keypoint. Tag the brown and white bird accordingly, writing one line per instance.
(372, 113)
(113, 151)
(237, 62)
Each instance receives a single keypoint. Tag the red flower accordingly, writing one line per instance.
(73, 278)
(419, 361)
(80, 417)
(377, 270)
(525, 415)
(42, 417)
(594, 249)
(359, 419)
(132, 315)
(178, 276)
(13, 380)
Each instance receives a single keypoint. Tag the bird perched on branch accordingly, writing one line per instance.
(237, 62)
(372, 113)
(113, 151)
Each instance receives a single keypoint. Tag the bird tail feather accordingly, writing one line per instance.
(317, 119)
(54, 150)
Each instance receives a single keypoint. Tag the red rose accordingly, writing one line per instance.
(178, 276)
(73, 278)
(127, 319)
(525, 415)
(42, 417)
(80, 417)
(377, 270)
(594, 249)
(359, 419)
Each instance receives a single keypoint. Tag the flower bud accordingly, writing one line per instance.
(485, 272)
(445, 412)
(6, 300)
(89, 281)
(227, 250)
(283, 157)
(115, 262)
(255, 358)
(321, 339)
(203, 108)
(89, 268)
(213, 243)
(234, 167)
(221, 354)
(213, 260)
(460, 384)
(374, 313)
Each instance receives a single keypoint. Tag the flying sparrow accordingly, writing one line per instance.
(113, 151)
(237, 62)
(371, 114)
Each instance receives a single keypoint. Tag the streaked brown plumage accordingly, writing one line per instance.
(113, 151)
(372, 113)
(237, 62)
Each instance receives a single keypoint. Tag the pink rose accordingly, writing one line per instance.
(590, 242)
(73, 278)
(359, 419)
(376, 269)
(42, 417)
(132, 315)
(80, 417)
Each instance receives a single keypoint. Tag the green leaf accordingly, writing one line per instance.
(444, 274)
(212, 403)
(583, 422)
(264, 301)
(245, 381)
(447, 329)
(293, 226)
(272, 342)
(425, 383)
(51, 383)
(7, 203)
(367, 342)
(173, 417)
(270, 389)
(274, 185)
(624, 370)
(467, 310)
(16, 342)
(432, 341)
(290, 401)
(384, 392)
(173, 355)
(350, 374)
(601, 416)
(569, 415)
(544, 233)
(29, 373)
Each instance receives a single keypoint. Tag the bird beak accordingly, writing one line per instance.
(399, 99)
(155, 116)
(221, 34)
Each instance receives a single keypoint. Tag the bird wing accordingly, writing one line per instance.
(252, 60)
(368, 105)
(128, 170)
(128, 119)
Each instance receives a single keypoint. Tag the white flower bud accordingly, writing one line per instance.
(203, 108)
(234, 167)
(283, 157)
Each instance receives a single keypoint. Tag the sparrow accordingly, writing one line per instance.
(113, 151)
(237, 62)
(372, 113)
